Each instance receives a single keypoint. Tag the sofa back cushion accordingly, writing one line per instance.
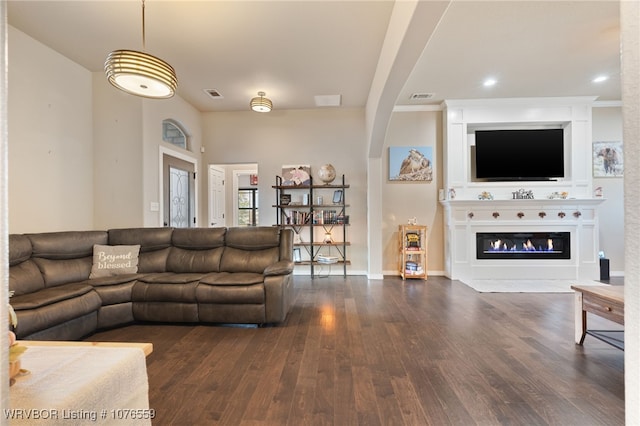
(250, 249)
(65, 257)
(198, 238)
(24, 275)
(196, 250)
(66, 245)
(185, 261)
(154, 244)
(253, 237)
(238, 260)
(19, 249)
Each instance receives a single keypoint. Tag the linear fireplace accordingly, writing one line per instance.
(523, 245)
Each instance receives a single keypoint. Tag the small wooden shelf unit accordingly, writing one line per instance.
(412, 241)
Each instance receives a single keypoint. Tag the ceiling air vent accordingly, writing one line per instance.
(421, 96)
(213, 93)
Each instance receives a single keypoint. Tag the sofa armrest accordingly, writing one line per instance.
(281, 267)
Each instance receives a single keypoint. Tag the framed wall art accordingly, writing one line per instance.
(608, 159)
(411, 163)
(296, 175)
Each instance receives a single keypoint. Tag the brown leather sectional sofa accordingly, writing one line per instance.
(208, 275)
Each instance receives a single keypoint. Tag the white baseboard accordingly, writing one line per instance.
(429, 273)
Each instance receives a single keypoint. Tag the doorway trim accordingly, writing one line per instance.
(236, 174)
(184, 157)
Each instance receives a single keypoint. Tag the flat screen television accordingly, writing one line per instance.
(519, 154)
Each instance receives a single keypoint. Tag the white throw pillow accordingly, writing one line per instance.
(114, 260)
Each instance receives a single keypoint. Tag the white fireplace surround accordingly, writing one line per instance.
(464, 218)
(465, 214)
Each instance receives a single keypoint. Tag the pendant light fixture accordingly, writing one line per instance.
(260, 103)
(139, 73)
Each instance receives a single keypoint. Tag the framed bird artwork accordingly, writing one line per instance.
(411, 163)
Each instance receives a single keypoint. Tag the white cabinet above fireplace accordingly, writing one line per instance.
(464, 117)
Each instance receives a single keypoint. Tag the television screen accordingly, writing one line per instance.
(532, 154)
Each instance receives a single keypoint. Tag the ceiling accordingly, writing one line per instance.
(296, 50)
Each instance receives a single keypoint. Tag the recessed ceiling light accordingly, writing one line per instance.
(489, 82)
(600, 79)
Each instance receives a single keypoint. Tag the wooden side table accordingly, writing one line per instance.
(602, 300)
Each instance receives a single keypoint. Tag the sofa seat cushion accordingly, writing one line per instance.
(171, 278)
(166, 287)
(49, 296)
(51, 307)
(113, 280)
(227, 288)
(115, 289)
(235, 278)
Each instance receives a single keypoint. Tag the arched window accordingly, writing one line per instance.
(173, 133)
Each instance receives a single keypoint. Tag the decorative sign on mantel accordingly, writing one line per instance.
(522, 194)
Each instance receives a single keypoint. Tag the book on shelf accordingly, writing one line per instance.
(411, 266)
(327, 259)
(325, 217)
(297, 217)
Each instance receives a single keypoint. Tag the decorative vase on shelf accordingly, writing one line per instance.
(327, 173)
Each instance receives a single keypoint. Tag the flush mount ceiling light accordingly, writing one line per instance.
(600, 79)
(260, 103)
(139, 73)
(489, 82)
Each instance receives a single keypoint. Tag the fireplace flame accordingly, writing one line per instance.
(499, 245)
(524, 245)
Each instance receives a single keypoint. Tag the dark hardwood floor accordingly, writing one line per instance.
(390, 352)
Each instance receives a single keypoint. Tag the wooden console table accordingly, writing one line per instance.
(147, 348)
(605, 301)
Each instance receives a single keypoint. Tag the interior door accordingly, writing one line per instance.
(179, 189)
(216, 196)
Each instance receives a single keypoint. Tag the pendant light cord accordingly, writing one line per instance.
(144, 47)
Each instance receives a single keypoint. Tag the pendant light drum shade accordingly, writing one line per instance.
(260, 103)
(141, 74)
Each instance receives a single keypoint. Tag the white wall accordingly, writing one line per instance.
(607, 127)
(82, 154)
(154, 112)
(313, 137)
(117, 160)
(404, 200)
(128, 137)
(50, 139)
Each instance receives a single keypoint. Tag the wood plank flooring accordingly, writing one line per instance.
(387, 352)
